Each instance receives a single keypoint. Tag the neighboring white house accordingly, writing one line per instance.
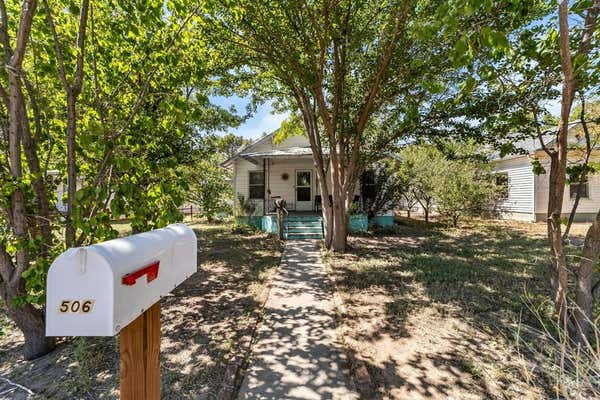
(526, 194)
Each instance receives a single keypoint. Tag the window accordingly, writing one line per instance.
(502, 186)
(368, 185)
(582, 187)
(303, 186)
(256, 185)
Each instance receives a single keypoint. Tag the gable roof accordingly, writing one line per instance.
(252, 152)
(530, 145)
(247, 148)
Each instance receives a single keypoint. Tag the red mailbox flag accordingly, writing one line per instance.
(151, 271)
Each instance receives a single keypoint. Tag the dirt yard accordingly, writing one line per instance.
(432, 312)
(201, 322)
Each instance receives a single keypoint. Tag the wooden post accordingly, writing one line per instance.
(140, 357)
(280, 223)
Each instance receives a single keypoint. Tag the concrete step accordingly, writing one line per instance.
(305, 229)
(300, 236)
(302, 218)
(303, 223)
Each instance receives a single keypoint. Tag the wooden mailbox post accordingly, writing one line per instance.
(116, 286)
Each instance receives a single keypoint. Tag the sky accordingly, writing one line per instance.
(264, 120)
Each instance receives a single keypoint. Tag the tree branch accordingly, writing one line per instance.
(4, 37)
(83, 17)
(27, 11)
(59, 54)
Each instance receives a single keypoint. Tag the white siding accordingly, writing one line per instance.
(520, 202)
(275, 169)
(241, 179)
(586, 205)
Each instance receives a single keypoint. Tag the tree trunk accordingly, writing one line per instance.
(558, 171)
(426, 212)
(340, 230)
(71, 168)
(584, 296)
(327, 223)
(340, 220)
(558, 264)
(31, 322)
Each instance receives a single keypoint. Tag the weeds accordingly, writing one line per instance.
(571, 369)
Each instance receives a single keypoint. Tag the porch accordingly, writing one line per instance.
(288, 174)
(307, 222)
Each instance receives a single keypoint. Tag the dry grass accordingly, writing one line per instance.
(432, 310)
(201, 323)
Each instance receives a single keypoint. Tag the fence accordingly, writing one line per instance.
(189, 210)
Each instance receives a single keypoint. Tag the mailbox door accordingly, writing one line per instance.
(80, 295)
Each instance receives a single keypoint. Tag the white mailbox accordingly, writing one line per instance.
(99, 289)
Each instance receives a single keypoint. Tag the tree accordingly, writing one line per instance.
(360, 74)
(419, 169)
(109, 96)
(16, 243)
(578, 73)
(558, 52)
(209, 186)
(463, 188)
(380, 188)
(230, 144)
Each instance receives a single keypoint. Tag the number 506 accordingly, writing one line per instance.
(76, 306)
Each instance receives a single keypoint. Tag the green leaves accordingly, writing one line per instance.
(537, 167)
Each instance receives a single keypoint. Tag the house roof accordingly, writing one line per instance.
(290, 151)
(247, 152)
(531, 145)
(246, 149)
(525, 147)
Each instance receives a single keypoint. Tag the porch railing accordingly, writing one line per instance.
(290, 205)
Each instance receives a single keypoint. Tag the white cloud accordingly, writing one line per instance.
(268, 124)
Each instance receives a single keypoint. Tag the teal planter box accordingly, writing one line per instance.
(269, 224)
(382, 220)
(358, 223)
(255, 221)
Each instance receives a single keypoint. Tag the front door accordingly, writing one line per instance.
(304, 190)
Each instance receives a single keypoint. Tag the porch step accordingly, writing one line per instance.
(298, 227)
(305, 229)
(300, 236)
(307, 218)
(305, 224)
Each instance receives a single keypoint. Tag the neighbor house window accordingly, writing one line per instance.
(257, 184)
(582, 187)
(502, 186)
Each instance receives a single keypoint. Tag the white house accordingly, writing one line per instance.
(526, 194)
(265, 171)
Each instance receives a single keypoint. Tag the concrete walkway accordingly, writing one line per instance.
(295, 355)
